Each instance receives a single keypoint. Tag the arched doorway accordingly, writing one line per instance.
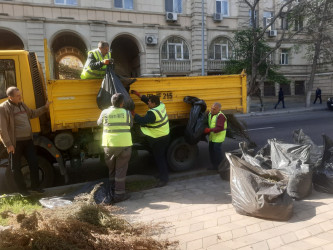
(10, 41)
(125, 53)
(69, 53)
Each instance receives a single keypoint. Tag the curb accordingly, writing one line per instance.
(277, 112)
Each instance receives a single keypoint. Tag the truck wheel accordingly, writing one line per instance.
(181, 155)
(45, 169)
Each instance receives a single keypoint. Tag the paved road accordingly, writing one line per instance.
(198, 213)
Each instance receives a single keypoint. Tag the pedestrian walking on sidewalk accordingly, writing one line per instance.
(318, 95)
(281, 99)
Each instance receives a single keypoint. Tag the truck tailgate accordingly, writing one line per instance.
(74, 101)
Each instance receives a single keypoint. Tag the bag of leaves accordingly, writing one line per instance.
(110, 86)
(259, 192)
(197, 121)
(316, 152)
(323, 175)
(261, 159)
(293, 160)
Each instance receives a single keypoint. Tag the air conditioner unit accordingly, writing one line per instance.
(272, 33)
(218, 17)
(151, 39)
(171, 16)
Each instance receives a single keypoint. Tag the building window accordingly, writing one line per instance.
(298, 24)
(222, 6)
(220, 49)
(255, 18)
(173, 6)
(123, 4)
(175, 49)
(284, 60)
(66, 2)
(268, 17)
(284, 21)
(7, 76)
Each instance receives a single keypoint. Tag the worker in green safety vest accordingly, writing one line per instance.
(217, 123)
(117, 143)
(155, 127)
(96, 64)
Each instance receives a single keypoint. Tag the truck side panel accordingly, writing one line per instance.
(74, 101)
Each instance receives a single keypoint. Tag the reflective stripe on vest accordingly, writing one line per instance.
(220, 136)
(117, 128)
(161, 125)
(88, 73)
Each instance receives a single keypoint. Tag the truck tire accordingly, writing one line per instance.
(181, 155)
(46, 174)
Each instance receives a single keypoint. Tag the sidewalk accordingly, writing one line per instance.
(198, 212)
(292, 104)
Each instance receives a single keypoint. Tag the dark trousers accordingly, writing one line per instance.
(117, 161)
(280, 100)
(215, 153)
(27, 149)
(159, 146)
(317, 96)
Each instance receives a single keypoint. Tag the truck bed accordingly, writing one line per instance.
(74, 101)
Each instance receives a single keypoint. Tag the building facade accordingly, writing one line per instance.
(148, 38)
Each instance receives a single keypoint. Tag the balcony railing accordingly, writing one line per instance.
(175, 66)
(216, 65)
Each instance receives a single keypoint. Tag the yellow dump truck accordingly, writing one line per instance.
(70, 133)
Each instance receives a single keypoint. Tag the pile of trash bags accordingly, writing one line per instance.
(111, 85)
(264, 184)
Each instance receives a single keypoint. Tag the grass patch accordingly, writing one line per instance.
(83, 225)
(135, 186)
(16, 204)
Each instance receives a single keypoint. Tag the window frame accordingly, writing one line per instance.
(3, 75)
(123, 5)
(178, 55)
(267, 18)
(255, 18)
(175, 6)
(284, 57)
(221, 10)
(65, 2)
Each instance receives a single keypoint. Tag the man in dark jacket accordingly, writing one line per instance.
(155, 127)
(318, 95)
(281, 99)
(16, 135)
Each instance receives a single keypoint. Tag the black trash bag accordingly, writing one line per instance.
(323, 175)
(258, 192)
(102, 195)
(110, 86)
(197, 122)
(224, 167)
(316, 152)
(293, 160)
(259, 160)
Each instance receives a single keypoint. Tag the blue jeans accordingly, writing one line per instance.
(27, 149)
(215, 153)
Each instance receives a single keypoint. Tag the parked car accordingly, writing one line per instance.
(330, 103)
